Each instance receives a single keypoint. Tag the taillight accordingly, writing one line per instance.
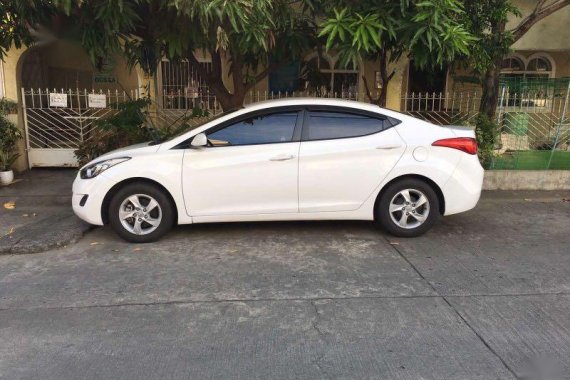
(465, 144)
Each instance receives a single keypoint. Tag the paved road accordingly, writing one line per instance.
(485, 295)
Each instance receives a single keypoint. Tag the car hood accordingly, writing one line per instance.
(131, 147)
(128, 151)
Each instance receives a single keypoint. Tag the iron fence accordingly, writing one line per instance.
(442, 108)
(182, 87)
(533, 127)
(58, 121)
(206, 100)
(534, 131)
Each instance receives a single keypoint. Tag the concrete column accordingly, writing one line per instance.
(10, 75)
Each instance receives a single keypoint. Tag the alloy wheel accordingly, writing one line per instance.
(140, 214)
(409, 208)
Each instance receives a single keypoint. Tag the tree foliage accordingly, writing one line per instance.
(9, 136)
(258, 36)
(427, 31)
(255, 35)
(487, 21)
(16, 17)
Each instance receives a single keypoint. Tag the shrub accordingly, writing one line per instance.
(8, 106)
(125, 127)
(9, 136)
(130, 125)
(486, 132)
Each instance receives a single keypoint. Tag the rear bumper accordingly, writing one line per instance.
(95, 189)
(463, 189)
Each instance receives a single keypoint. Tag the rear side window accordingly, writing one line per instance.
(262, 129)
(324, 125)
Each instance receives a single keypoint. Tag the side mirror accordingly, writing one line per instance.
(200, 140)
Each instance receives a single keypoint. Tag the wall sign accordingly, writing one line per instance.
(97, 101)
(57, 100)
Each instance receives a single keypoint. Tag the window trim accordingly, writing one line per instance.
(525, 62)
(333, 61)
(256, 113)
(390, 121)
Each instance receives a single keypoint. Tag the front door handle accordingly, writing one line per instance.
(388, 147)
(282, 157)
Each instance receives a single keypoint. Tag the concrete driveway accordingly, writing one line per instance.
(485, 295)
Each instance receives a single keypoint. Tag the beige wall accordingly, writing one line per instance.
(61, 64)
(1, 79)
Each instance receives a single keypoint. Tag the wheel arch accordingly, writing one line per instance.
(425, 179)
(113, 190)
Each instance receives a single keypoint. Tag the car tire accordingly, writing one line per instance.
(141, 213)
(408, 208)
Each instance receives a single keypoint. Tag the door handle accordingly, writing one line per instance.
(282, 157)
(388, 147)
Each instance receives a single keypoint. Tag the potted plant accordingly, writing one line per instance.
(7, 159)
(9, 135)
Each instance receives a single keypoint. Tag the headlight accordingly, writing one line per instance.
(97, 168)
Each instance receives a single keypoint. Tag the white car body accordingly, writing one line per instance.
(302, 180)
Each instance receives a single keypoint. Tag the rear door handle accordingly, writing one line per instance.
(282, 157)
(388, 147)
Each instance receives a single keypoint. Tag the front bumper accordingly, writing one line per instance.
(95, 189)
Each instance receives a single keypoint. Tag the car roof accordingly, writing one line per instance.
(313, 102)
(284, 102)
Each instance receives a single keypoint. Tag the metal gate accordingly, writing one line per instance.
(56, 122)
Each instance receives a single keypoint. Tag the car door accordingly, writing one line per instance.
(249, 167)
(344, 156)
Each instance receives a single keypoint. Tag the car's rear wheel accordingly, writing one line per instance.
(408, 208)
(141, 213)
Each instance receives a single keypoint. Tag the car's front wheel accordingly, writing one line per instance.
(408, 208)
(141, 213)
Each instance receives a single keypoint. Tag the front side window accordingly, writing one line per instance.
(262, 129)
(324, 125)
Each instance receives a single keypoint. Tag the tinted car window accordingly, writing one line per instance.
(263, 129)
(334, 125)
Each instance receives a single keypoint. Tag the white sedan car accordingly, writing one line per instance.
(294, 159)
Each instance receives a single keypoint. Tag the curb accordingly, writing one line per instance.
(55, 231)
(527, 180)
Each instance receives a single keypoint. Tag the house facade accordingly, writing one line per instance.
(30, 75)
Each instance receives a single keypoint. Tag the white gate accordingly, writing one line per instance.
(56, 122)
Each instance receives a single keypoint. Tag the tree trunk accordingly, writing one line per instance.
(490, 91)
(229, 101)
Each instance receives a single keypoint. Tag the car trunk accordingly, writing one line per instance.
(461, 131)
